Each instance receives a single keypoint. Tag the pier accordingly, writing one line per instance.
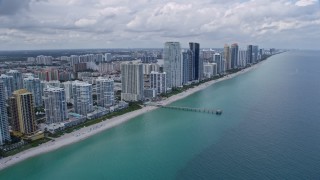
(201, 110)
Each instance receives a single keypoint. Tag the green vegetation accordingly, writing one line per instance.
(24, 147)
(132, 107)
(175, 91)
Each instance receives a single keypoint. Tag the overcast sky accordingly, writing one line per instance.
(59, 24)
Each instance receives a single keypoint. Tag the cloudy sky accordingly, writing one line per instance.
(58, 24)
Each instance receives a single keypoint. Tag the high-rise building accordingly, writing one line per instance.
(197, 63)
(234, 55)
(33, 85)
(132, 80)
(186, 67)
(242, 58)
(22, 111)
(220, 64)
(158, 81)
(173, 64)
(105, 92)
(82, 97)
(68, 90)
(44, 60)
(4, 124)
(148, 68)
(107, 57)
(227, 56)
(210, 70)
(74, 59)
(17, 79)
(255, 53)
(55, 104)
(48, 75)
(8, 85)
(99, 58)
(249, 54)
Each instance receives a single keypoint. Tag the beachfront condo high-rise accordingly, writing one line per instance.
(249, 54)
(17, 79)
(158, 81)
(186, 67)
(82, 97)
(4, 124)
(220, 64)
(68, 90)
(234, 55)
(132, 81)
(173, 64)
(242, 58)
(197, 64)
(55, 104)
(105, 92)
(210, 70)
(255, 53)
(23, 118)
(34, 86)
(227, 56)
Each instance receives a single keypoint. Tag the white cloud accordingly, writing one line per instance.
(85, 22)
(149, 23)
(306, 2)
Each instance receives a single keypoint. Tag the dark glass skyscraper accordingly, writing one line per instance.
(234, 55)
(197, 65)
(187, 67)
(249, 54)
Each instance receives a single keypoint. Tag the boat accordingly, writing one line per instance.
(218, 112)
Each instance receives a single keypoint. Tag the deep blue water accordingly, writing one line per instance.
(270, 129)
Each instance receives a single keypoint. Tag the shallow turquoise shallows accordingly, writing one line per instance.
(269, 129)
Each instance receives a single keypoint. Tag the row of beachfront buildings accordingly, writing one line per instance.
(22, 93)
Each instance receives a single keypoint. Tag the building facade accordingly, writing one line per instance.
(4, 124)
(197, 64)
(33, 85)
(158, 81)
(8, 85)
(234, 55)
(17, 79)
(55, 104)
(242, 58)
(249, 54)
(227, 56)
(210, 70)
(219, 61)
(68, 90)
(132, 80)
(105, 92)
(82, 97)
(186, 67)
(22, 111)
(173, 64)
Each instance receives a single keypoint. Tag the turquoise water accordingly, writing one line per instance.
(269, 130)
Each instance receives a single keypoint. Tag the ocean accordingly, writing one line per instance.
(269, 129)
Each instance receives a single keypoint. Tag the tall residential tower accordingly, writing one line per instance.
(173, 64)
(105, 92)
(132, 81)
(4, 124)
(55, 104)
(82, 97)
(22, 112)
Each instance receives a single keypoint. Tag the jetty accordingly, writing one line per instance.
(201, 110)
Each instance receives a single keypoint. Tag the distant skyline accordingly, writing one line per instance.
(81, 24)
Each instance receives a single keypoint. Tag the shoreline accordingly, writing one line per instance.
(86, 132)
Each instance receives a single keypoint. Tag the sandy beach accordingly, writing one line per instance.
(86, 132)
